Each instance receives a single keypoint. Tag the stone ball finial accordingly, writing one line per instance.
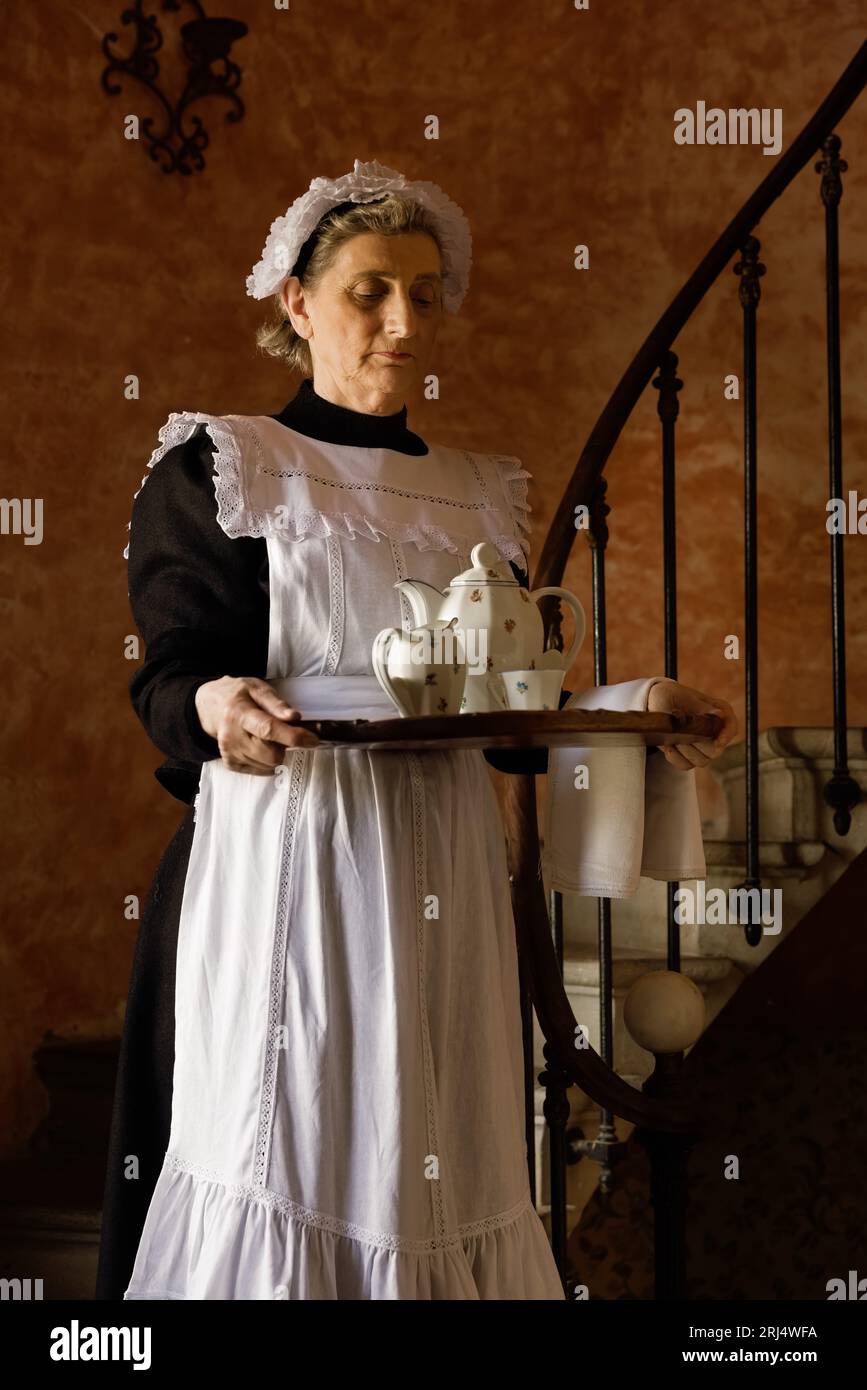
(664, 1012)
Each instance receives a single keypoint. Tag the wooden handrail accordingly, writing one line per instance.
(584, 1066)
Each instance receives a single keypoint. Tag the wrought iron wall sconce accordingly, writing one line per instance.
(177, 145)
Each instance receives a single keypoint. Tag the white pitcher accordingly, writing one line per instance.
(422, 671)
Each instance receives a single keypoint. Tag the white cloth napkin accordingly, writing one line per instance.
(638, 816)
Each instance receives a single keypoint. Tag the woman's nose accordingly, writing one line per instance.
(400, 317)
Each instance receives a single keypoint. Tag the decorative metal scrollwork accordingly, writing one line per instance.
(831, 166)
(750, 269)
(178, 143)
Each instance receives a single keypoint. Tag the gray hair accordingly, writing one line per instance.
(391, 217)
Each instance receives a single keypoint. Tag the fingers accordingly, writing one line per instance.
(264, 715)
(270, 727)
(257, 697)
(693, 754)
(245, 753)
(257, 727)
(690, 755)
(730, 722)
(261, 693)
(729, 729)
(683, 700)
(683, 756)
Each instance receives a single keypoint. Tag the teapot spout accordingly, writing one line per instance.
(424, 599)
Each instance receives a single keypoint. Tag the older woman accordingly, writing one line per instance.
(325, 1099)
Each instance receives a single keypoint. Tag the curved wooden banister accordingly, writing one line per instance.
(584, 1067)
(605, 433)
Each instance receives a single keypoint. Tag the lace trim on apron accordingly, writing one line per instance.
(384, 1240)
(287, 490)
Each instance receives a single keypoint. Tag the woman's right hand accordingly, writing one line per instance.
(250, 722)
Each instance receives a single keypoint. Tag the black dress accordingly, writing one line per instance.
(200, 601)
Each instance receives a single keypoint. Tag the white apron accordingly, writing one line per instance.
(348, 1103)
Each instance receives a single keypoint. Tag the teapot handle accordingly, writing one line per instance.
(379, 658)
(577, 613)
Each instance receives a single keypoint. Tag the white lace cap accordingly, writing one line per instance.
(366, 183)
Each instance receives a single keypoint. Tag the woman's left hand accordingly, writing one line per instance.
(670, 697)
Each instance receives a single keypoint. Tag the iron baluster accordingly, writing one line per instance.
(750, 270)
(668, 383)
(597, 539)
(841, 792)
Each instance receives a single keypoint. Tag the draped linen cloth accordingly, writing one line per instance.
(637, 816)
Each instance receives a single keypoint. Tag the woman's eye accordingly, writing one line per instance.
(378, 294)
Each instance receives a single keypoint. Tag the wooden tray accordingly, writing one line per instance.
(516, 729)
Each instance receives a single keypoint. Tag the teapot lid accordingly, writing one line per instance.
(487, 567)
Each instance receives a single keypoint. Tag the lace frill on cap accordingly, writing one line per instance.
(365, 184)
(272, 481)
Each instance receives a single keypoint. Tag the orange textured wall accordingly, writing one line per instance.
(555, 128)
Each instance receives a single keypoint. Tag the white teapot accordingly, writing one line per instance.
(500, 622)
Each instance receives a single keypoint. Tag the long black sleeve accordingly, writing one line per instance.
(199, 600)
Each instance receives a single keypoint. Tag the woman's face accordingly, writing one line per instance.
(380, 295)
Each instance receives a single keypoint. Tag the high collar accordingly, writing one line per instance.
(313, 415)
